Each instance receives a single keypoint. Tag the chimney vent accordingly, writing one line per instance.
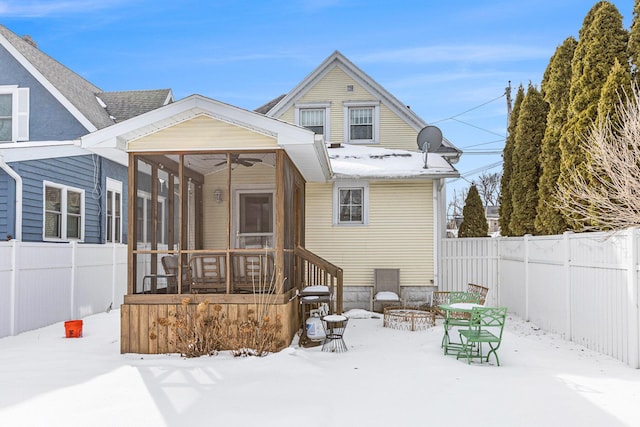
(29, 40)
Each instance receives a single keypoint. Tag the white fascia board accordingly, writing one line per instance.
(47, 84)
(21, 152)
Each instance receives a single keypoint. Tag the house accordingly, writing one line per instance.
(228, 205)
(382, 208)
(52, 189)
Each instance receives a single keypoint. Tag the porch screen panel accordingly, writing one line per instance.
(289, 223)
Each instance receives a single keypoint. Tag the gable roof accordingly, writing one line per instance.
(304, 148)
(279, 105)
(75, 93)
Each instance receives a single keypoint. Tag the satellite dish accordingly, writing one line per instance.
(429, 139)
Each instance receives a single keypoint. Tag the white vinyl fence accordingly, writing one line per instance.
(45, 283)
(583, 287)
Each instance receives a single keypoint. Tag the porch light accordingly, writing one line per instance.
(217, 195)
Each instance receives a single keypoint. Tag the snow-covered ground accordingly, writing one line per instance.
(387, 378)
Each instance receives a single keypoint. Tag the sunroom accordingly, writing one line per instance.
(216, 200)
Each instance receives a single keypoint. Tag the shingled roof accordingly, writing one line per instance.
(125, 105)
(81, 93)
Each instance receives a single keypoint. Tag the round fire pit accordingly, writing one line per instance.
(408, 318)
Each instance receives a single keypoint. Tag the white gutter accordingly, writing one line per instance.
(18, 179)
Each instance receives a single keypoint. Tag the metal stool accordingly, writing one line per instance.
(334, 326)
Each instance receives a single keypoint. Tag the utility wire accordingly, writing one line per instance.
(470, 109)
(478, 127)
(475, 171)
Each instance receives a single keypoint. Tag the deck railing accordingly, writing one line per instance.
(313, 270)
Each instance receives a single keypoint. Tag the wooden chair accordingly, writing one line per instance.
(480, 290)
(253, 273)
(482, 320)
(208, 273)
(386, 288)
(170, 266)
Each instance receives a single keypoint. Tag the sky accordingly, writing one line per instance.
(388, 377)
(449, 61)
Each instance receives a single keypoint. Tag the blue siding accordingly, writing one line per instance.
(119, 173)
(79, 172)
(48, 119)
(6, 215)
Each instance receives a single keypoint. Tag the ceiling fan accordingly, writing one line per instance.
(246, 161)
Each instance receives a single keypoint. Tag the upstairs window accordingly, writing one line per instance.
(63, 212)
(313, 119)
(14, 114)
(6, 117)
(362, 122)
(314, 116)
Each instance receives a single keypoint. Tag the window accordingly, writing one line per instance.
(313, 119)
(314, 116)
(350, 204)
(6, 117)
(114, 211)
(14, 114)
(63, 212)
(361, 122)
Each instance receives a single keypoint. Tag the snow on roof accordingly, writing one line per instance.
(358, 161)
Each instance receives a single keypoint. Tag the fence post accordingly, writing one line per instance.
(632, 299)
(526, 277)
(14, 279)
(567, 275)
(72, 284)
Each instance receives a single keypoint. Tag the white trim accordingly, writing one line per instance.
(350, 184)
(63, 212)
(19, 112)
(47, 84)
(114, 186)
(326, 106)
(18, 201)
(375, 105)
(23, 151)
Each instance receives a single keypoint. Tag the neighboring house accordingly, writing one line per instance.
(52, 189)
(382, 208)
(492, 213)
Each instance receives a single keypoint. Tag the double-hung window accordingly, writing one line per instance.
(314, 116)
(361, 122)
(14, 114)
(350, 203)
(63, 212)
(114, 211)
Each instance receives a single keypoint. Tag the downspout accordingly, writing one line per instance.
(438, 184)
(18, 179)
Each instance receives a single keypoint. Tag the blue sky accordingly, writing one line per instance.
(442, 58)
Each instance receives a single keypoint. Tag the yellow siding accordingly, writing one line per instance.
(202, 133)
(399, 234)
(394, 131)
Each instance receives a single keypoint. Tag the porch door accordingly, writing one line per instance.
(255, 219)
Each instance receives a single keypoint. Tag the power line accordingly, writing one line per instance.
(475, 171)
(478, 127)
(470, 109)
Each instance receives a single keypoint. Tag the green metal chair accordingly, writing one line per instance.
(485, 326)
(457, 318)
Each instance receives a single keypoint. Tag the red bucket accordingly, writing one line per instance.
(73, 328)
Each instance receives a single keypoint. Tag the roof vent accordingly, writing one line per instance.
(28, 39)
(349, 88)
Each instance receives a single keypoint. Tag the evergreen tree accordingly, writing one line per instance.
(474, 221)
(526, 162)
(555, 89)
(616, 88)
(633, 48)
(602, 40)
(505, 208)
